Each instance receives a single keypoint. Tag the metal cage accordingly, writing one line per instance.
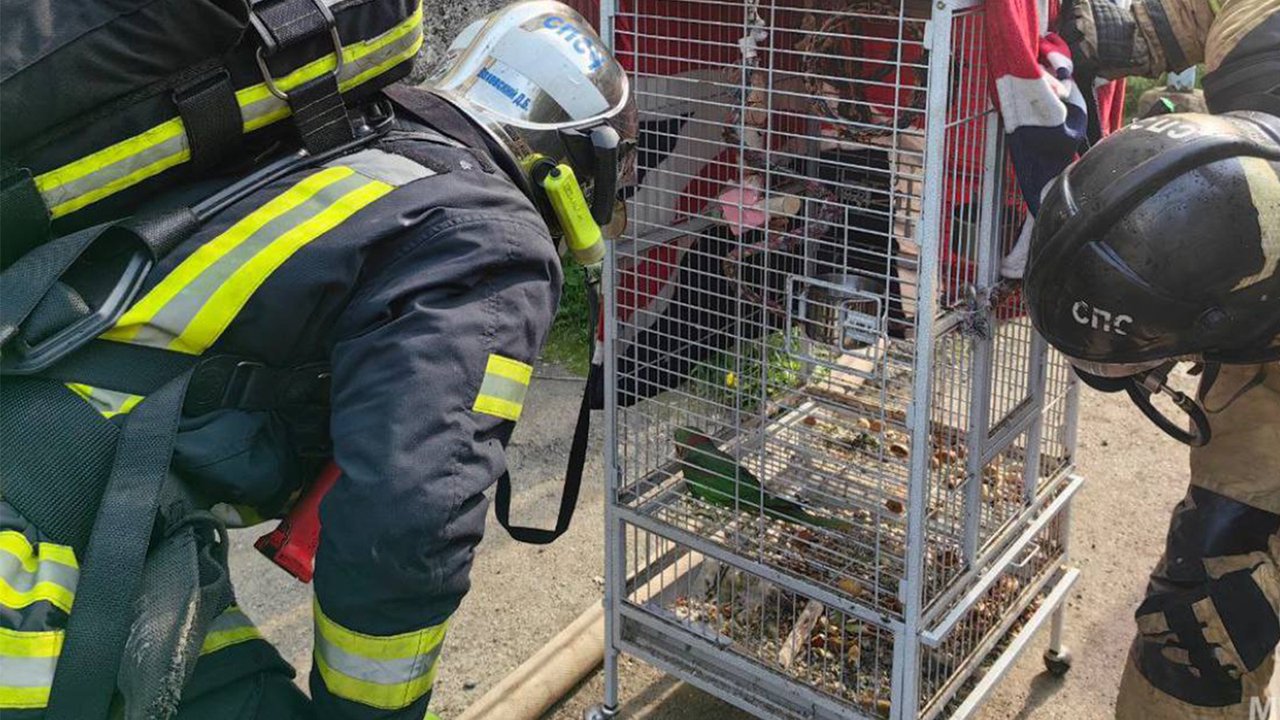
(810, 280)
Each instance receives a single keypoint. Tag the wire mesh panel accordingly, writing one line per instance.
(824, 405)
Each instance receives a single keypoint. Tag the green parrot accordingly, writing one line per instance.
(714, 477)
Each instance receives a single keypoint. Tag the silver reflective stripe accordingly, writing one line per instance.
(27, 672)
(382, 672)
(395, 170)
(18, 578)
(107, 402)
(169, 322)
(107, 174)
(135, 159)
(503, 388)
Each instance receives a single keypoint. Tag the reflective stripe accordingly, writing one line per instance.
(23, 698)
(189, 309)
(386, 672)
(391, 169)
(1264, 190)
(29, 575)
(129, 162)
(107, 402)
(232, 627)
(17, 544)
(502, 392)
(119, 166)
(27, 662)
(360, 62)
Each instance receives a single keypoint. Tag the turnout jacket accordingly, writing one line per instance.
(1237, 40)
(424, 281)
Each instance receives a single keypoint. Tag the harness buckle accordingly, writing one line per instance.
(270, 46)
(21, 358)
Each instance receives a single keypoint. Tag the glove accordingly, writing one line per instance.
(1105, 41)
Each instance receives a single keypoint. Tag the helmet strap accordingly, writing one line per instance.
(1152, 382)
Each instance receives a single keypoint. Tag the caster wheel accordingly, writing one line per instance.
(599, 712)
(1057, 663)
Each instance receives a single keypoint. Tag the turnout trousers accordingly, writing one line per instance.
(1210, 621)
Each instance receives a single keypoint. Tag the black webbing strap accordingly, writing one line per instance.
(281, 23)
(218, 382)
(577, 458)
(211, 117)
(24, 219)
(568, 496)
(24, 284)
(111, 574)
(317, 106)
(321, 115)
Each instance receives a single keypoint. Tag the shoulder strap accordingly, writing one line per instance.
(24, 219)
(111, 573)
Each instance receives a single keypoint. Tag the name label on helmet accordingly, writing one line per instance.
(577, 39)
(1099, 319)
(516, 97)
(1169, 126)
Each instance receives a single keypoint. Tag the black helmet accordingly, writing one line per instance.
(1163, 244)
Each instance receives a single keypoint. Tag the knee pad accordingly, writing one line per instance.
(1210, 614)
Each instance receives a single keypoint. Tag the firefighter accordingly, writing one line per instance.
(1161, 245)
(384, 308)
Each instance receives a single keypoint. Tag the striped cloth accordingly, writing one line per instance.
(1044, 113)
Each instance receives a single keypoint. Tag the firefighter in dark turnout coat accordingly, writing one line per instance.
(383, 308)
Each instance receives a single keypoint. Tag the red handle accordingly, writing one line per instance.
(292, 545)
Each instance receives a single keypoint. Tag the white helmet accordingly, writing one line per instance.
(537, 77)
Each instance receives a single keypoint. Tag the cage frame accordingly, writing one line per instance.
(925, 622)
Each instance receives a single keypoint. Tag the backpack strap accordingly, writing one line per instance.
(317, 106)
(111, 575)
(211, 118)
(24, 218)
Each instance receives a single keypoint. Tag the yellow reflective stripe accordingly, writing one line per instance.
(383, 697)
(109, 155)
(59, 596)
(17, 545)
(50, 182)
(510, 369)
(120, 183)
(498, 407)
(23, 698)
(387, 64)
(34, 644)
(379, 647)
(503, 389)
(232, 627)
(206, 255)
(32, 573)
(109, 403)
(383, 671)
(230, 297)
(326, 64)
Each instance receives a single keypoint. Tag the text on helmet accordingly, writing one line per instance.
(1167, 125)
(576, 39)
(1099, 319)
